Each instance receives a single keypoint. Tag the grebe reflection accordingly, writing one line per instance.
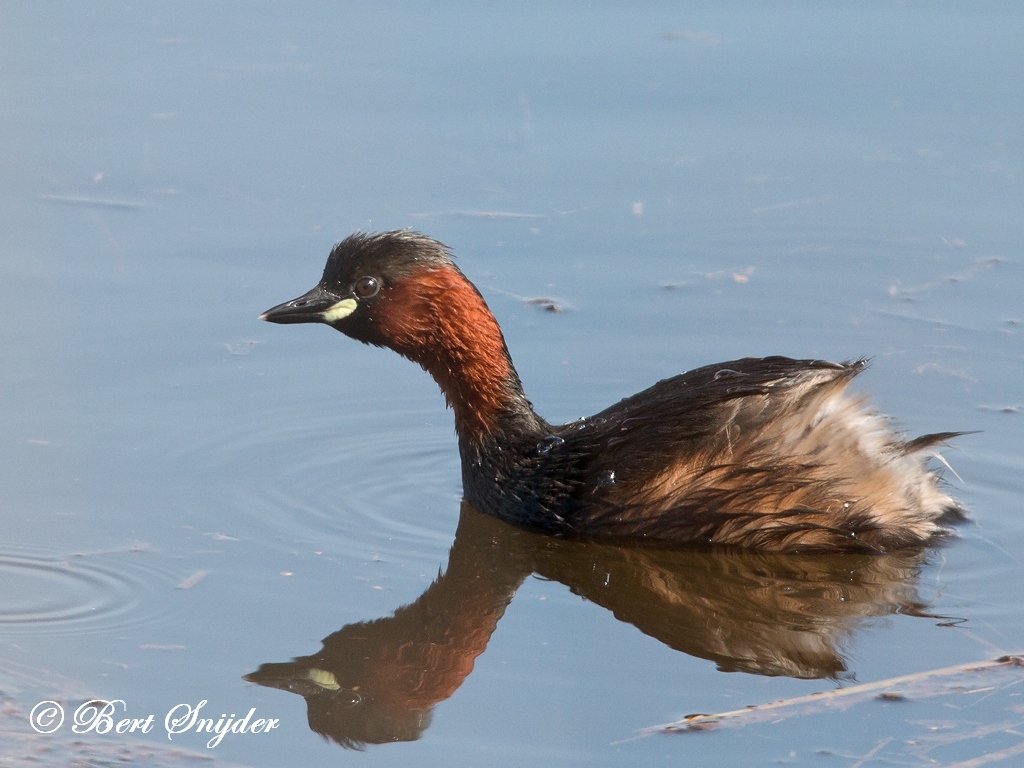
(768, 614)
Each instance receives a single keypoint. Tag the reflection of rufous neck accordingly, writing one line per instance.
(421, 654)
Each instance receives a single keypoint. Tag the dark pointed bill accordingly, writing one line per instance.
(317, 306)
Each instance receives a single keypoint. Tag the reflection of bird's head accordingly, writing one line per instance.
(377, 681)
(351, 698)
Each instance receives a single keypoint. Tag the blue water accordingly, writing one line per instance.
(689, 183)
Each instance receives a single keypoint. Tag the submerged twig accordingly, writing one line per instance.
(990, 757)
(839, 697)
(194, 579)
(872, 753)
(95, 202)
(923, 747)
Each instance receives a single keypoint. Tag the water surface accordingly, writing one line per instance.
(189, 496)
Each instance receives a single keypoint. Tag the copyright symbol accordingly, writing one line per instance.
(46, 717)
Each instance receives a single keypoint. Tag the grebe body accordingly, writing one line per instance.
(766, 453)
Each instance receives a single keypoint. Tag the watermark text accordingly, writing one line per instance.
(111, 716)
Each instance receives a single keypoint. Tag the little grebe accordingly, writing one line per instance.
(767, 453)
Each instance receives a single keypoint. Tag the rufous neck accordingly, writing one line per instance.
(439, 320)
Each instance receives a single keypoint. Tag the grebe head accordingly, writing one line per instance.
(402, 290)
(357, 292)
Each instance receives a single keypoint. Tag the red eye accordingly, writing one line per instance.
(365, 287)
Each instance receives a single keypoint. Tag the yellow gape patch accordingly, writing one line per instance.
(342, 309)
(324, 679)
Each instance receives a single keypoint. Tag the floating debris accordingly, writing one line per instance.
(1001, 408)
(95, 202)
(220, 536)
(789, 204)
(481, 214)
(736, 275)
(908, 294)
(957, 374)
(545, 303)
(192, 580)
(934, 682)
(891, 696)
(240, 349)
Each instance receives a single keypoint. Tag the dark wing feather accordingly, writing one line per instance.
(927, 441)
(677, 417)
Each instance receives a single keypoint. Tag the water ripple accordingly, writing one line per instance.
(363, 481)
(53, 595)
